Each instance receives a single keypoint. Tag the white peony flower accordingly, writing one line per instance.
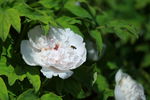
(127, 88)
(58, 52)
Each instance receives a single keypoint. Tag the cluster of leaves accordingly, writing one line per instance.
(118, 30)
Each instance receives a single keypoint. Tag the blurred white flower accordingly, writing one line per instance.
(93, 54)
(92, 51)
(127, 88)
(78, 3)
(58, 52)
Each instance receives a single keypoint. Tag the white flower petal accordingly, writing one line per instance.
(119, 94)
(65, 75)
(50, 72)
(127, 89)
(35, 33)
(28, 53)
(36, 38)
(76, 41)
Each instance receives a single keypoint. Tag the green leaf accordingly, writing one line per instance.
(43, 16)
(9, 71)
(46, 28)
(101, 83)
(12, 96)
(27, 95)
(108, 93)
(14, 18)
(34, 79)
(50, 96)
(123, 30)
(141, 4)
(77, 10)
(27, 11)
(146, 61)
(67, 22)
(50, 3)
(75, 29)
(1, 1)
(8, 17)
(103, 19)
(4, 24)
(112, 65)
(96, 35)
(3, 90)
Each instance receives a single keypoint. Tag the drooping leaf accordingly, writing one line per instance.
(146, 61)
(65, 19)
(68, 22)
(12, 96)
(123, 30)
(14, 18)
(5, 24)
(96, 35)
(50, 3)
(112, 65)
(34, 78)
(3, 90)
(103, 19)
(101, 83)
(77, 10)
(33, 14)
(27, 95)
(9, 17)
(108, 93)
(9, 71)
(50, 96)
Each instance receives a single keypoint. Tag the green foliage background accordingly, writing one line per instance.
(119, 31)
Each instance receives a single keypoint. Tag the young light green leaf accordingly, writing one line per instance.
(3, 90)
(50, 3)
(28, 11)
(9, 71)
(96, 35)
(34, 80)
(14, 18)
(4, 24)
(50, 96)
(27, 95)
(35, 14)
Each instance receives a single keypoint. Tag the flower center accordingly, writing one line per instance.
(56, 47)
